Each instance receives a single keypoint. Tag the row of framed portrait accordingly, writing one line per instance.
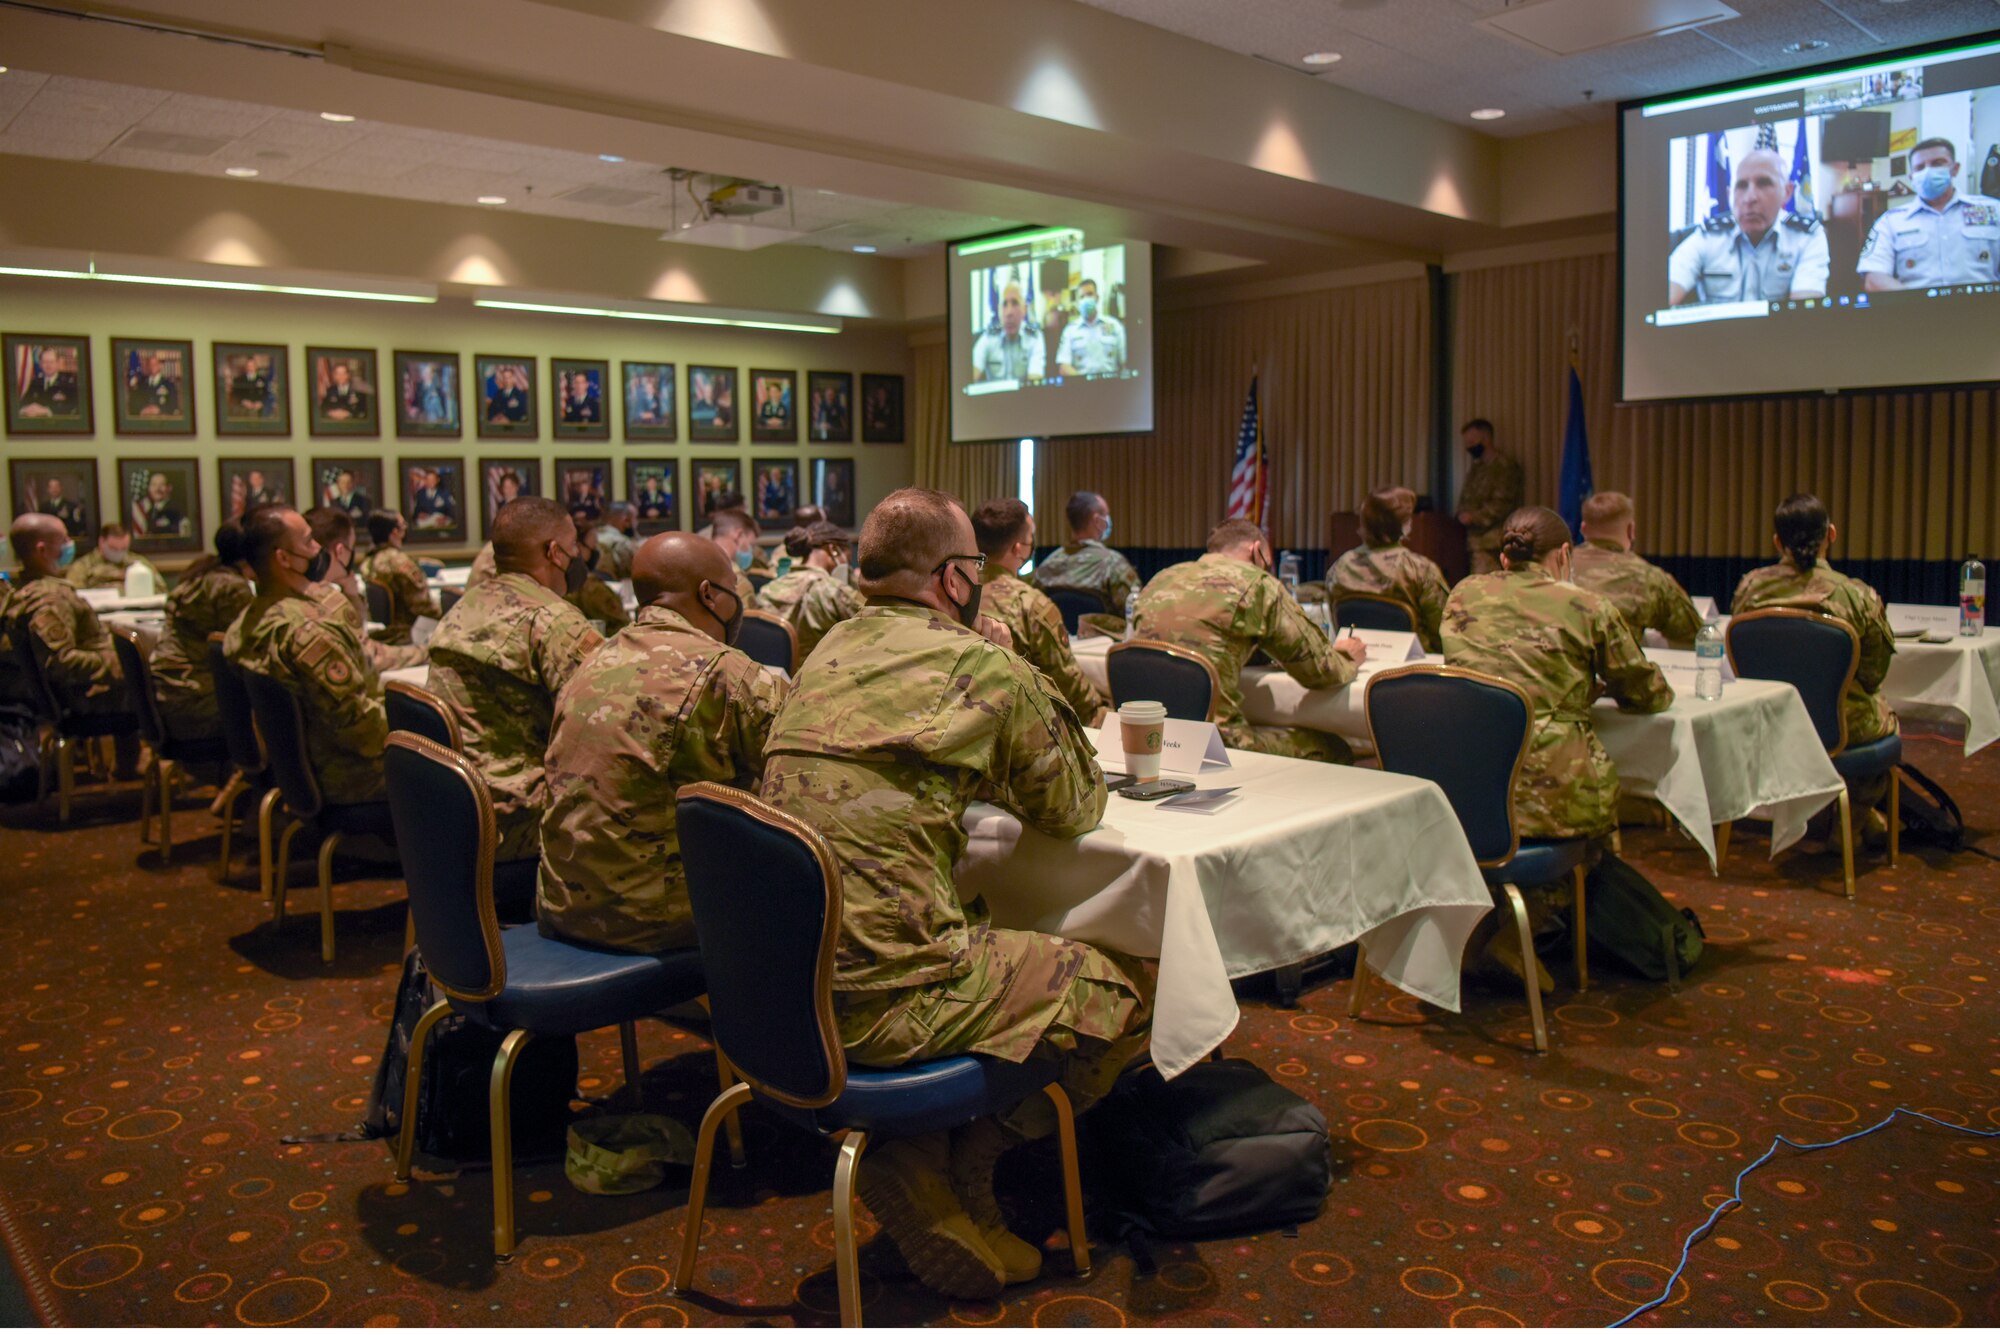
(159, 500)
(49, 392)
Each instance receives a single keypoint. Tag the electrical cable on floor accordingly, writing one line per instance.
(1736, 1198)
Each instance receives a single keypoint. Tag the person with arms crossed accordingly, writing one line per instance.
(1492, 490)
(1005, 532)
(1757, 251)
(1383, 566)
(1942, 237)
(1645, 595)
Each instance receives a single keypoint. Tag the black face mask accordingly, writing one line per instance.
(575, 575)
(317, 567)
(734, 625)
(968, 611)
(591, 554)
(1475, 451)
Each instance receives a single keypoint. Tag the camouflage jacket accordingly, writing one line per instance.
(1039, 637)
(14, 688)
(1088, 565)
(658, 706)
(499, 658)
(410, 594)
(1556, 642)
(81, 665)
(615, 559)
(597, 601)
(484, 567)
(899, 722)
(1396, 572)
(95, 570)
(812, 602)
(319, 659)
(1492, 490)
(1225, 610)
(1645, 595)
(1846, 600)
(198, 607)
(336, 601)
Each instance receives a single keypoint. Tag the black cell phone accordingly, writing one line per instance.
(1156, 789)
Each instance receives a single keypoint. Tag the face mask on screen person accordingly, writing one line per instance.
(1934, 180)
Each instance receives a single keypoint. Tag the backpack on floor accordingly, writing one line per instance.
(1929, 816)
(20, 755)
(1220, 1149)
(1630, 920)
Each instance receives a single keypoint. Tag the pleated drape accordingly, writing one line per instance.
(973, 473)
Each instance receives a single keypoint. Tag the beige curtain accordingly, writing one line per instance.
(1907, 476)
(973, 473)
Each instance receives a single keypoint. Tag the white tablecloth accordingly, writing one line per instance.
(110, 600)
(150, 625)
(1958, 683)
(451, 577)
(1309, 857)
(1269, 696)
(417, 674)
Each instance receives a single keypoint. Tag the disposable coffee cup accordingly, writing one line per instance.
(1142, 725)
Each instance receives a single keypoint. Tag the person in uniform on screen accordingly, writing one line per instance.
(1011, 351)
(1758, 252)
(1943, 236)
(1095, 343)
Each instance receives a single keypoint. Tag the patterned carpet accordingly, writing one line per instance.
(160, 1040)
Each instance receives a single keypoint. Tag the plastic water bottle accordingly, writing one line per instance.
(1972, 598)
(1131, 612)
(1708, 663)
(139, 581)
(1288, 573)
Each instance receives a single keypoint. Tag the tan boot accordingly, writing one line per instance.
(976, 1148)
(1503, 952)
(903, 1185)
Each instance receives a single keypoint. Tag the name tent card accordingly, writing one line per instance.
(1388, 646)
(1188, 747)
(1704, 607)
(1916, 618)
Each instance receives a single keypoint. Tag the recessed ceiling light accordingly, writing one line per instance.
(239, 171)
(1488, 114)
(1809, 44)
(337, 117)
(864, 250)
(609, 157)
(1321, 57)
(493, 199)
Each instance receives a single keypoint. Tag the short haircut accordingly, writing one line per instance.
(263, 534)
(1383, 515)
(382, 525)
(522, 525)
(330, 524)
(229, 542)
(1233, 533)
(1530, 533)
(622, 510)
(999, 524)
(1477, 424)
(1936, 142)
(1082, 505)
(909, 530)
(1607, 507)
(112, 530)
(732, 520)
(723, 500)
(1090, 283)
(1801, 524)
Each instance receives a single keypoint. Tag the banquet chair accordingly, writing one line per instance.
(247, 756)
(170, 754)
(758, 579)
(769, 639)
(1178, 678)
(1073, 603)
(1372, 611)
(1468, 732)
(67, 727)
(765, 890)
(448, 599)
(1818, 656)
(381, 603)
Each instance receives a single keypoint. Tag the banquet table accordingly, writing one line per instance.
(1956, 683)
(150, 625)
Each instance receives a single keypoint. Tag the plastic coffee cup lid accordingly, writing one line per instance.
(1142, 711)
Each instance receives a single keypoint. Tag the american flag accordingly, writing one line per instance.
(1250, 478)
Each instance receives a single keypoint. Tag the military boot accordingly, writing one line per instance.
(975, 1151)
(903, 1185)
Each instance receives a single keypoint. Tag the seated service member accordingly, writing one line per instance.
(1757, 251)
(615, 542)
(663, 703)
(807, 595)
(1084, 562)
(107, 566)
(1645, 595)
(594, 598)
(1383, 566)
(1005, 531)
(394, 569)
(1943, 236)
(910, 712)
(79, 665)
(287, 635)
(735, 532)
(211, 594)
(337, 589)
(503, 653)
(1228, 605)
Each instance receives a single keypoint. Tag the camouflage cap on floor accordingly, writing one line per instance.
(617, 1156)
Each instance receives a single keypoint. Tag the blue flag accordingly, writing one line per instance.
(1718, 175)
(1802, 202)
(1576, 485)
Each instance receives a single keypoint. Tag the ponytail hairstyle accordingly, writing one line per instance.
(1801, 525)
(1530, 533)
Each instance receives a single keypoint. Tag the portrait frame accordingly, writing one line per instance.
(232, 391)
(419, 423)
(183, 503)
(833, 490)
(235, 495)
(713, 413)
(781, 425)
(23, 357)
(527, 475)
(765, 474)
(410, 486)
(830, 429)
(363, 377)
(368, 494)
(881, 417)
(78, 507)
(663, 424)
(668, 469)
(578, 481)
(561, 371)
(707, 477)
(131, 420)
(527, 425)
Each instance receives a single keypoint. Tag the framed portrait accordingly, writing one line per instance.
(649, 400)
(833, 490)
(433, 500)
(579, 398)
(155, 396)
(344, 394)
(501, 480)
(584, 482)
(253, 395)
(881, 409)
(774, 410)
(427, 396)
(776, 491)
(48, 384)
(712, 403)
(505, 391)
(713, 478)
(65, 488)
(244, 484)
(653, 488)
(160, 501)
(830, 407)
(353, 485)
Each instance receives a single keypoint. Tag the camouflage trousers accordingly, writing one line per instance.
(1297, 743)
(1025, 995)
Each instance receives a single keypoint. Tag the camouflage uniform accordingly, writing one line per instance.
(81, 666)
(410, 594)
(1645, 595)
(1397, 572)
(335, 600)
(14, 688)
(484, 567)
(812, 602)
(616, 561)
(499, 658)
(899, 722)
(1556, 642)
(319, 659)
(1088, 565)
(658, 706)
(197, 608)
(1493, 490)
(597, 601)
(1225, 610)
(1846, 600)
(95, 570)
(1039, 637)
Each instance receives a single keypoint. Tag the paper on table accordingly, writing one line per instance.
(1680, 666)
(1188, 747)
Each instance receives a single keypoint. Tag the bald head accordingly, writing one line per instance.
(38, 542)
(689, 575)
(1762, 188)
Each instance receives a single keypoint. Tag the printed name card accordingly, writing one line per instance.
(1915, 618)
(1704, 607)
(1188, 747)
(1388, 646)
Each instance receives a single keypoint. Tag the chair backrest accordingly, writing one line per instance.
(1464, 731)
(769, 639)
(1372, 611)
(1073, 603)
(414, 709)
(139, 684)
(34, 657)
(1815, 653)
(232, 702)
(448, 599)
(758, 579)
(446, 837)
(1183, 681)
(765, 890)
(282, 725)
(381, 603)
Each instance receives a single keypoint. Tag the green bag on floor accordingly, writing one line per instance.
(1630, 920)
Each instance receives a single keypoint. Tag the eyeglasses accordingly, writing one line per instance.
(978, 562)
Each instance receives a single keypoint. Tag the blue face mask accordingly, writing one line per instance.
(67, 556)
(1087, 308)
(1107, 529)
(1934, 181)
(743, 560)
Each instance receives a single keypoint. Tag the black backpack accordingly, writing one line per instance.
(1930, 818)
(20, 754)
(1220, 1149)
(1629, 919)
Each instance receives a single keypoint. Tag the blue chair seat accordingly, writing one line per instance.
(894, 1102)
(1867, 759)
(556, 987)
(1538, 862)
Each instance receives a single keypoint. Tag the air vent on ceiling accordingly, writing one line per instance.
(1570, 27)
(178, 145)
(607, 197)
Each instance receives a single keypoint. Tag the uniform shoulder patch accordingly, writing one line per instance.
(1718, 222)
